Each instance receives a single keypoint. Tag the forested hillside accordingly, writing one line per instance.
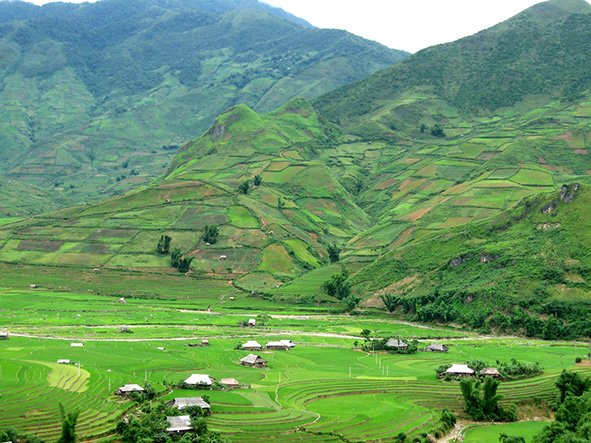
(97, 97)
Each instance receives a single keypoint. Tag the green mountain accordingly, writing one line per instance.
(97, 97)
(433, 203)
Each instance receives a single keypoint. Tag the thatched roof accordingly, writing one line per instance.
(437, 347)
(199, 379)
(63, 361)
(229, 382)
(77, 345)
(460, 369)
(288, 344)
(182, 403)
(252, 359)
(181, 423)
(3, 332)
(493, 372)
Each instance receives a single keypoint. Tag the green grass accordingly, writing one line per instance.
(242, 218)
(491, 434)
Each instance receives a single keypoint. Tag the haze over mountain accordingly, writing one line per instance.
(97, 97)
(403, 170)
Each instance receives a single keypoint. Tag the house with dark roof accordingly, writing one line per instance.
(397, 344)
(436, 347)
(253, 361)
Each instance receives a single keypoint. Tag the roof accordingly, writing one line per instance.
(131, 388)
(281, 343)
(63, 361)
(3, 332)
(182, 403)
(199, 379)
(395, 343)
(179, 424)
(490, 371)
(251, 359)
(252, 321)
(252, 344)
(437, 347)
(460, 369)
(77, 345)
(229, 381)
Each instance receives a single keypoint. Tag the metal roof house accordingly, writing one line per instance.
(129, 388)
(182, 403)
(179, 424)
(200, 380)
(395, 343)
(251, 322)
(64, 361)
(462, 370)
(284, 345)
(254, 361)
(252, 345)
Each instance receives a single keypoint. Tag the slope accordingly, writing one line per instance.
(97, 97)
(273, 232)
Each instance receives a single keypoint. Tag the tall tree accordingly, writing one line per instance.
(69, 420)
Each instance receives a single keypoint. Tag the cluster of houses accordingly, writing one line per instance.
(400, 345)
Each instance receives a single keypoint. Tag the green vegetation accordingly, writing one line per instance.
(482, 400)
(98, 116)
(163, 247)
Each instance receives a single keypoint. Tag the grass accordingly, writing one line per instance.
(491, 434)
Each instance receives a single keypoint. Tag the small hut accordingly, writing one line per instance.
(204, 342)
(77, 345)
(460, 370)
(64, 361)
(252, 345)
(182, 403)
(129, 388)
(436, 347)
(281, 345)
(179, 424)
(33, 286)
(253, 361)
(4, 334)
(251, 322)
(223, 257)
(230, 383)
(125, 330)
(490, 372)
(397, 344)
(199, 381)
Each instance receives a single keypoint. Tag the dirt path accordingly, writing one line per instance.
(456, 434)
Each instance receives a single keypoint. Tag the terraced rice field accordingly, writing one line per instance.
(324, 390)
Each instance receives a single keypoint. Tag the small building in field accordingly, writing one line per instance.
(460, 370)
(223, 257)
(122, 300)
(251, 322)
(63, 361)
(282, 345)
(129, 388)
(436, 347)
(77, 345)
(490, 372)
(4, 334)
(199, 381)
(230, 383)
(125, 330)
(33, 286)
(179, 424)
(182, 403)
(395, 343)
(252, 345)
(254, 361)
(205, 342)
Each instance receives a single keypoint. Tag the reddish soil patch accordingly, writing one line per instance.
(402, 238)
(542, 161)
(39, 245)
(585, 364)
(386, 184)
(567, 136)
(581, 151)
(487, 156)
(418, 214)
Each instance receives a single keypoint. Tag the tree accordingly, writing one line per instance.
(210, 234)
(163, 247)
(485, 405)
(244, 187)
(257, 180)
(504, 438)
(185, 264)
(338, 286)
(437, 131)
(423, 128)
(391, 302)
(280, 203)
(351, 302)
(175, 257)
(571, 383)
(333, 252)
(69, 421)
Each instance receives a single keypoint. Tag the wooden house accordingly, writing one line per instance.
(252, 345)
(254, 361)
(182, 403)
(460, 370)
(179, 425)
(129, 388)
(397, 344)
(230, 383)
(436, 347)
